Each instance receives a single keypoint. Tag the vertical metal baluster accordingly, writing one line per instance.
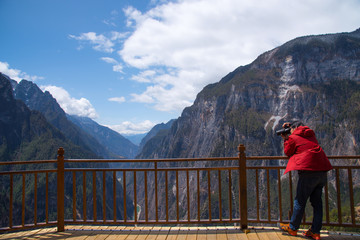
(177, 195)
(351, 192)
(327, 203)
(23, 201)
(74, 196)
(114, 192)
(35, 199)
(84, 196)
(124, 189)
(156, 193)
(166, 196)
(11, 201)
(338, 195)
(47, 199)
(94, 196)
(198, 193)
(230, 195)
(188, 194)
(220, 203)
(279, 189)
(104, 196)
(135, 199)
(268, 194)
(146, 198)
(257, 195)
(209, 193)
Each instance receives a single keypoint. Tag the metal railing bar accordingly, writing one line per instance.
(23, 201)
(351, 191)
(188, 193)
(198, 194)
(166, 196)
(28, 162)
(146, 197)
(84, 196)
(114, 195)
(74, 196)
(220, 203)
(104, 196)
(149, 169)
(151, 160)
(156, 193)
(291, 195)
(257, 194)
(230, 195)
(27, 171)
(124, 195)
(94, 196)
(47, 199)
(177, 196)
(135, 199)
(209, 193)
(338, 195)
(268, 193)
(35, 198)
(154, 222)
(11, 201)
(327, 217)
(279, 194)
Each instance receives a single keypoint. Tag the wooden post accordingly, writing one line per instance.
(60, 190)
(242, 187)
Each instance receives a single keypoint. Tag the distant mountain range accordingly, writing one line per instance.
(33, 127)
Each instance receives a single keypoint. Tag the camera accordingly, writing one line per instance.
(284, 131)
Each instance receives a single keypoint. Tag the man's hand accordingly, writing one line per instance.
(285, 136)
(286, 125)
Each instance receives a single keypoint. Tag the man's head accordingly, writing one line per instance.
(294, 125)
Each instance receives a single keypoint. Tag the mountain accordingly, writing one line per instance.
(35, 99)
(135, 139)
(26, 134)
(163, 127)
(111, 140)
(315, 79)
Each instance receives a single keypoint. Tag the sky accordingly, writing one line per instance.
(131, 64)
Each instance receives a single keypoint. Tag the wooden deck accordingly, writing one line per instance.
(165, 233)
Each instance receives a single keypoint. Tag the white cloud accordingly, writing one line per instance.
(80, 107)
(117, 99)
(201, 41)
(99, 42)
(178, 47)
(117, 67)
(130, 128)
(16, 74)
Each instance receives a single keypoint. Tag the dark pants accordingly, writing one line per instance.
(310, 185)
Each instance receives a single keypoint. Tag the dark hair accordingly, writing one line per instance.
(296, 124)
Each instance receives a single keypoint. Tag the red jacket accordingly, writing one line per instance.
(304, 152)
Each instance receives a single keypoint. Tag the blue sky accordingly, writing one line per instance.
(131, 64)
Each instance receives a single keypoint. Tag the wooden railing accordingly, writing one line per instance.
(201, 191)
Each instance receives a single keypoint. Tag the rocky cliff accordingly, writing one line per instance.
(315, 79)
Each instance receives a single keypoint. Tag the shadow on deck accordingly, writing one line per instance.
(166, 233)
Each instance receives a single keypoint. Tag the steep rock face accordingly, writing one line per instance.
(309, 78)
(27, 135)
(315, 79)
(35, 99)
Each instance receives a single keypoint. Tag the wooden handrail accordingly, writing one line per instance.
(220, 180)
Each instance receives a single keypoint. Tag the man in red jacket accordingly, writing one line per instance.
(309, 159)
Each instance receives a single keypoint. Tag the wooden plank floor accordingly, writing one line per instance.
(165, 233)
